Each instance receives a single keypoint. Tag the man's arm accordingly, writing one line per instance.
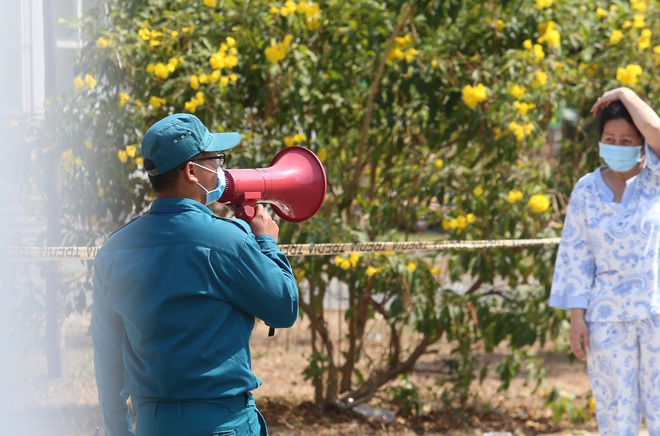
(107, 334)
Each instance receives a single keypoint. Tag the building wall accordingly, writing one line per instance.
(22, 96)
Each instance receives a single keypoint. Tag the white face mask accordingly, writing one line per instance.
(214, 195)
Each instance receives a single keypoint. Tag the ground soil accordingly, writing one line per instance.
(68, 405)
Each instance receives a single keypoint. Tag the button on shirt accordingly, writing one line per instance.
(176, 292)
(608, 260)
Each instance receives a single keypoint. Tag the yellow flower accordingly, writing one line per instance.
(123, 99)
(439, 163)
(470, 218)
(517, 91)
(638, 21)
(395, 54)
(473, 95)
(192, 104)
(102, 42)
(638, 5)
(371, 271)
(523, 108)
(527, 44)
(295, 139)
(131, 150)
(497, 24)
(543, 4)
(410, 54)
(514, 196)
(161, 70)
(403, 41)
(210, 3)
(144, 33)
(616, 36)
(194, 82)
(549, 34)
(411, 267)
(90, 81)
(172, 64)
(478, 191)
(629, 75)
(539, 80)
(322, 154)
(601, 13)
(277, 52)
(553, 37)
(592, 404)
(78, 83)
(644, 40)
(139, 160)
(354, 258)
(345, 265)
(156, 102)
(538, 203)
(538, 51)
(122, 155)
(68, 160)
(517, 130)
(459, 223)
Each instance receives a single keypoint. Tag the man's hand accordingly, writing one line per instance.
(579, 334)
(263, 224)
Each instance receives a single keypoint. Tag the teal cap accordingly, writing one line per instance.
(176, 138)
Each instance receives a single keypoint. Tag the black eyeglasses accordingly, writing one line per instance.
(218, 159)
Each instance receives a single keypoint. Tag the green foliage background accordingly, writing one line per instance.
(378, 90)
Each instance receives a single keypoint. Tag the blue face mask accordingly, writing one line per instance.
(215, 194)
(620, 158)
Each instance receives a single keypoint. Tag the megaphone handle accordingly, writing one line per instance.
(244, 211)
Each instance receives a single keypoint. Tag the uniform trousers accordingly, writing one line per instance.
(623, 361)
(220, 417)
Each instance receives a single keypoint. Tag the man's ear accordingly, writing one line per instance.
(190, 173)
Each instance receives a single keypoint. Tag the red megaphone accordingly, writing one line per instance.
(294, 185)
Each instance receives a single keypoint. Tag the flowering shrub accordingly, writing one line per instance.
(448, 113)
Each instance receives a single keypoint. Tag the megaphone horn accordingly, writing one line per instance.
(294, 185)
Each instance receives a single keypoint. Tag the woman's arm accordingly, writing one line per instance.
(643, 115)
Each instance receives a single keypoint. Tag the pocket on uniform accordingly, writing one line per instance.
(230, 432)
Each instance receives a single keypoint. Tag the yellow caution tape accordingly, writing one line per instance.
(88, 253)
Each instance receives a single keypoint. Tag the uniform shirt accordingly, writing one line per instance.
(176, 292)
(608, 260)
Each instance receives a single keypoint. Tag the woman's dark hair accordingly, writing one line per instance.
(615, 111)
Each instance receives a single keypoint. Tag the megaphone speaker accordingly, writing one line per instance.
(294, 185)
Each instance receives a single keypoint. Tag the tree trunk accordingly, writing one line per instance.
(54, 304)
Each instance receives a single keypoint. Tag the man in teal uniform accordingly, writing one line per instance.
(176, 294)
